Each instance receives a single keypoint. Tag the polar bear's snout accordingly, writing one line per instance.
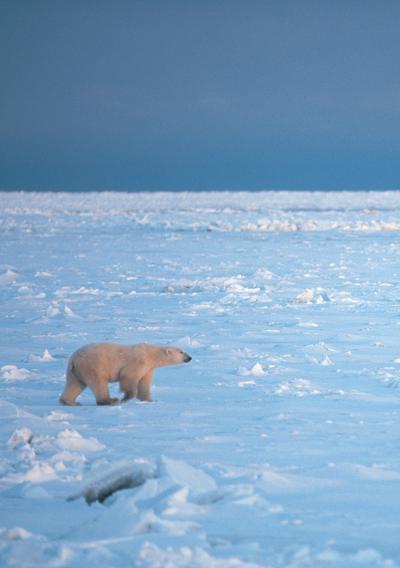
(186, 358)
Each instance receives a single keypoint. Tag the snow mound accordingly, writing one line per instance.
(19, 547)
(8, 277)
(312, 296)
(243, 384)
(57, 416)
(329, 557)
(297, 387)
(188, 342)
(53, 310)
(152, 556)
(20, 437)
(318, 354)
(390, 377)
(72, 440)
(13, 373)
(256, 371)
(16, 533)
(376, 472)
(40, 472)
(45, 358)
(152, 523)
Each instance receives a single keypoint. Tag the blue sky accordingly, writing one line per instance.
(180, 95)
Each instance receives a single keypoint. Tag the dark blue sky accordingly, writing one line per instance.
(199, 94)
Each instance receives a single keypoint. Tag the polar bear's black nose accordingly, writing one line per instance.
(187, 358)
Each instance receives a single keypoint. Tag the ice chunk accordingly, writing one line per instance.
(120, 476)
(186, 475)
(69, 313)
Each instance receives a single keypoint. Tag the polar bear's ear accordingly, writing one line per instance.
(168, 352)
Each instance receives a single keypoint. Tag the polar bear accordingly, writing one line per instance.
(97, 364)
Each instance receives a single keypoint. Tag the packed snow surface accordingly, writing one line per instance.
(277, 446)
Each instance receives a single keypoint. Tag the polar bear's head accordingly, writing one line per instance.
(175, 356)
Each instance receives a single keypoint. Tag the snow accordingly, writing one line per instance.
(7, 277)
(276, 446)
(74, 441)
(12, 373)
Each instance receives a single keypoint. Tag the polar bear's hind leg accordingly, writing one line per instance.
(72, 390)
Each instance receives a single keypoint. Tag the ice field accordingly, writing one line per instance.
(276, 446)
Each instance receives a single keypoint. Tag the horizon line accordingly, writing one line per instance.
(225, 190)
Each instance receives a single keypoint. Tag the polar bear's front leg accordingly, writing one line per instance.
(128, 394)
(129, 387)
(132, 387)
(102, 394)
(144, 387)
